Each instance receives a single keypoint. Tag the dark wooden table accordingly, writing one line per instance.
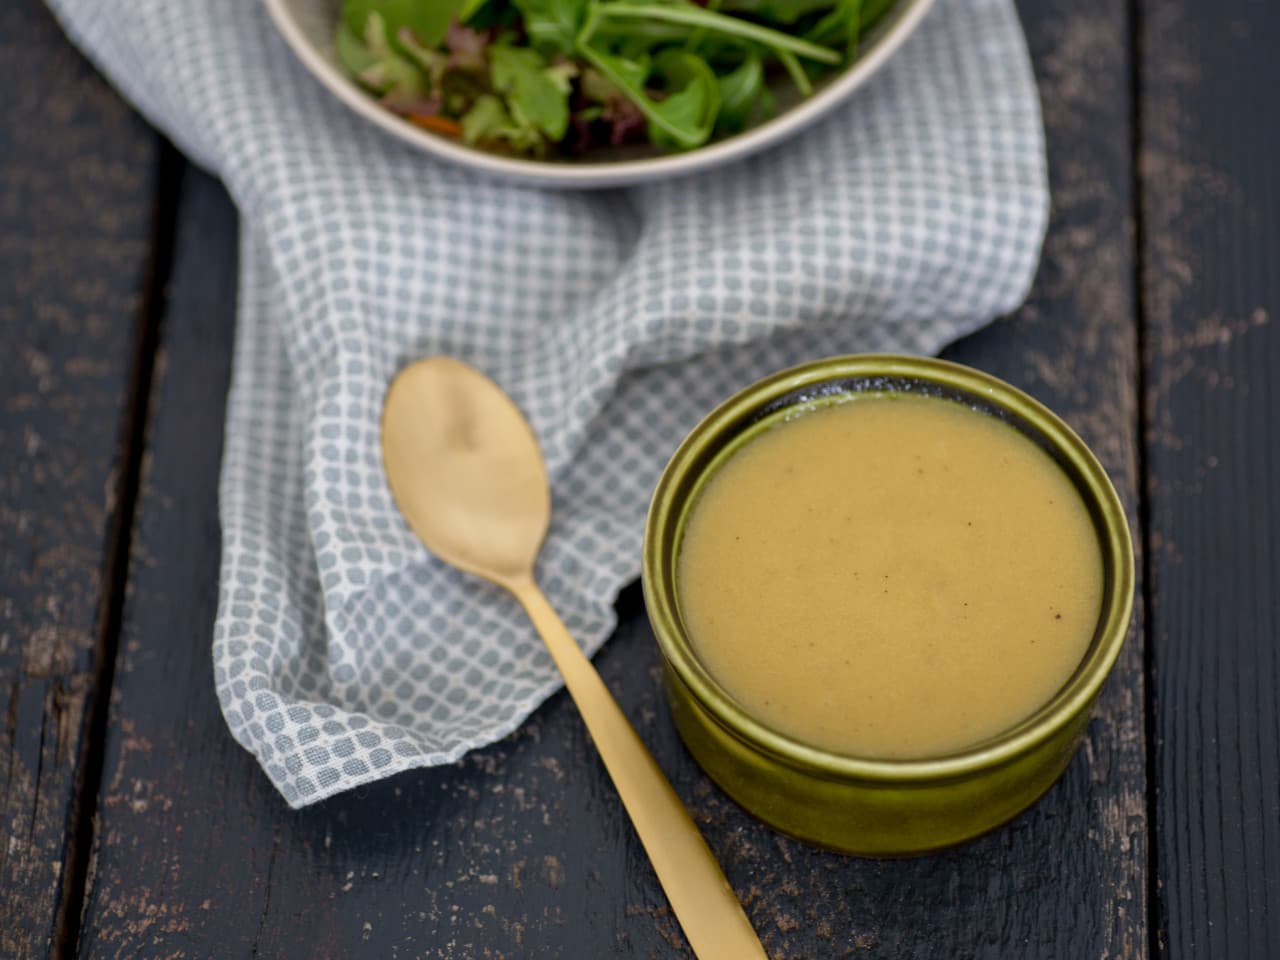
(133, 826)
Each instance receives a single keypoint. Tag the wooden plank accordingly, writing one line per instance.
(521, 850)
(1074, 346)
(77, 186)
(1211, 293)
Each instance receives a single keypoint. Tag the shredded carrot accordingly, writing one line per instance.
(449, 128)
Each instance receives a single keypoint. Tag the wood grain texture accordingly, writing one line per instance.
(522, 850)
(76, 187)
(1211, 292)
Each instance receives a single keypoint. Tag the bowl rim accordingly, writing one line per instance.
(901, 23)
(682, 472)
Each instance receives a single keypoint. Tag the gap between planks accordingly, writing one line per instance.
(123, 494)
(1137, 52)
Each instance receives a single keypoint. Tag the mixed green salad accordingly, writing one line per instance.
(536, 77)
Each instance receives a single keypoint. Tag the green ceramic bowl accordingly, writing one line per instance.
(849, 803)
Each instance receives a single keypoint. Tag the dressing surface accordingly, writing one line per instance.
(892, 577)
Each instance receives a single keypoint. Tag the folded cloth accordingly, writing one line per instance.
(343, 652)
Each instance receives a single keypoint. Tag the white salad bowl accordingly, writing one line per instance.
(308, 26)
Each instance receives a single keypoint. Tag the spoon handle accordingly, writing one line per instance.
(701, 897)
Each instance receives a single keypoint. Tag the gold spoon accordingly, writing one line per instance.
(466, 471)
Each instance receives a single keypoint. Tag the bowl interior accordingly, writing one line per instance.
(308, 28)
(737, 420)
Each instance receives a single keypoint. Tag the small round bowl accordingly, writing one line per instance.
(847, 803)
(307, 26)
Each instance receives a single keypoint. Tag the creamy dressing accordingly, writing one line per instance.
(893, 577)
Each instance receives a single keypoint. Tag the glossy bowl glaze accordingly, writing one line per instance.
(307, 26)
(848, 803)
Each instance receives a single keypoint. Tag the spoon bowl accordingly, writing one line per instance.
(465, 469)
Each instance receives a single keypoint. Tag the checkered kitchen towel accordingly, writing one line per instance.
(343, 652)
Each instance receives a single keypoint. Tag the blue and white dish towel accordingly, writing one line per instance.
(343, 652)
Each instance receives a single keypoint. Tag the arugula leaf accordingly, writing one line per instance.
(685, 117)
(428, 19)
(351, 53)
(796, 71)
(553, 24)
(849, 20)
(694, 16)
(468, 10)
(693, 107)
(648, 32)
(536, 96)
(740, 93)
(777, 11)
(843, 23)
(376, 65)
(432, 62)
(486, 115)
(875, 9)
(489, 122)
